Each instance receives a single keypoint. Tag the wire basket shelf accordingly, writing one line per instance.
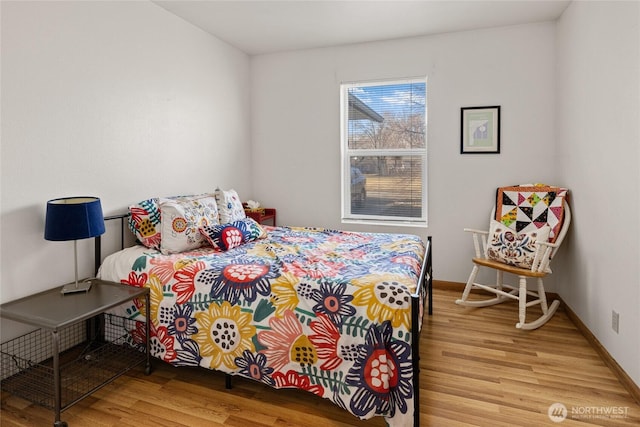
(92, 354)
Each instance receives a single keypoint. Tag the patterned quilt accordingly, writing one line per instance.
(315, 309)
(529, 207)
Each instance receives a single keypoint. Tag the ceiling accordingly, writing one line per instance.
(268, 26)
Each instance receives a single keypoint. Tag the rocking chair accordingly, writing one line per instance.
(528, 224)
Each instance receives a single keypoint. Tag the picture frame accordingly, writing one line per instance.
(480, 130)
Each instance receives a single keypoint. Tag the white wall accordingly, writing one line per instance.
(599, 153)
(296, 126)
(120, 100)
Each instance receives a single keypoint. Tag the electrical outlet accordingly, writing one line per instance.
(615, 321)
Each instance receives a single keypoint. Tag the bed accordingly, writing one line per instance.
(332, 312)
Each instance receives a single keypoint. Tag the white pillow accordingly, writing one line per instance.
(513, 248)
(229, 206)
(181, 222)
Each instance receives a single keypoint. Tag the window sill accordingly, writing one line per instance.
(416, 224)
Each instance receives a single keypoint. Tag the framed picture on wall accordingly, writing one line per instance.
(480, 130)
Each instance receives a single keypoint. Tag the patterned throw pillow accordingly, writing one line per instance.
(144, 222)
(181, 222)
(229, 206)
(233, 234)
(513, 248)
(145, 219)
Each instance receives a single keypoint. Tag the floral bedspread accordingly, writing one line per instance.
(321, 310)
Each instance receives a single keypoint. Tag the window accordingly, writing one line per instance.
(384, 152)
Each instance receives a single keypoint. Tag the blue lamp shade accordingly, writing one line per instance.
(73, 218)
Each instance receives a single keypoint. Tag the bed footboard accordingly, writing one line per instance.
(422, 297)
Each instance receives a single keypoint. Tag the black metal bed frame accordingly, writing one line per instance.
(423, 292)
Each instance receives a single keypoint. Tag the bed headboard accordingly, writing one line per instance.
(98, 240)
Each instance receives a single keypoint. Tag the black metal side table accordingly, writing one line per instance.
(78, 348)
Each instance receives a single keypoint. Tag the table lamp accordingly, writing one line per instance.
(74, 218)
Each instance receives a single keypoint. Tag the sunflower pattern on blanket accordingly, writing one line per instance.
(321, 310)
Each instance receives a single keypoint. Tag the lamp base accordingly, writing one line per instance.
(72, 288)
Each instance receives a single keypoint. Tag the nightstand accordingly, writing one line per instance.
(78, 348)
(266, 216)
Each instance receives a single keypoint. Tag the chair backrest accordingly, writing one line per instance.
(565, 225)
(528, 207)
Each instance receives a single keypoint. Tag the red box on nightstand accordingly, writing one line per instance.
(266, 216)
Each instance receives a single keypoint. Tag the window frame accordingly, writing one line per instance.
(347, 215)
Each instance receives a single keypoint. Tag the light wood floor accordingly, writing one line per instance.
(476, 369)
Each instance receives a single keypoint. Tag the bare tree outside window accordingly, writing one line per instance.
(384, 151)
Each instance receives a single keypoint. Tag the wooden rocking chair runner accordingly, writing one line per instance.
(528, 226)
